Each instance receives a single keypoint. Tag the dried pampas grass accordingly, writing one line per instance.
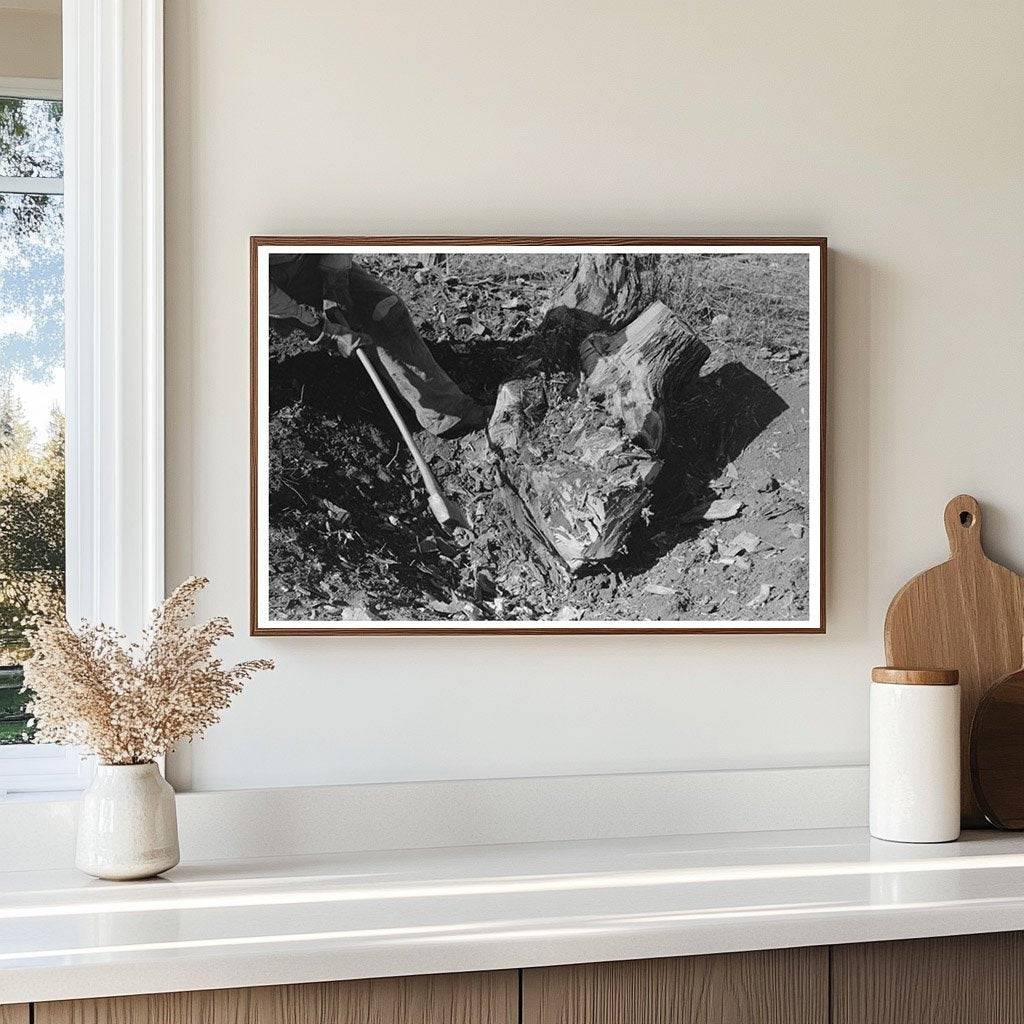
(129, 703)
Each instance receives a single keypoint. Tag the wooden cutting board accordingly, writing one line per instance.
(967, 614)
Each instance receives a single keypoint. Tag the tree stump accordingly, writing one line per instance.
(580, 449)
(605, 292)
(607, 285)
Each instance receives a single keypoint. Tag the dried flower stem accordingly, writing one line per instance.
(129, 703)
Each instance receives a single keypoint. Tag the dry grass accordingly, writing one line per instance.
(765, 298)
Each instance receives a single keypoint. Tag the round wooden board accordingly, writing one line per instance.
(997, 752)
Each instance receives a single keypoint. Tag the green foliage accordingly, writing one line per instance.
(31, 544)
(31, 522)
(14, 723)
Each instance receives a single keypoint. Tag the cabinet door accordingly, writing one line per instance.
(778, 986)
(14, 1013)
(962, 979)
(490, 998)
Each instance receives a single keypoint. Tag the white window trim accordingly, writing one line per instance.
(32, 186)
(114, 315)
(114, 323)
(44, 770)
(31, 88)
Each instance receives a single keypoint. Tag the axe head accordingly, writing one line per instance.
(447, 513)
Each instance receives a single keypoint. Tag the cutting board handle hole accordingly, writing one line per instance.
(963, 525)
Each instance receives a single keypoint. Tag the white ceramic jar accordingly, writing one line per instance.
(915, 755)
(127, 824)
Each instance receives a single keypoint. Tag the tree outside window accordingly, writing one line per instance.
(31, 387)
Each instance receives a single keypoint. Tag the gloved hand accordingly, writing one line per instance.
(348, 341)
(338, 331)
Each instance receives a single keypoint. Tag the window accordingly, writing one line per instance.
(32, 513)
(109, 209)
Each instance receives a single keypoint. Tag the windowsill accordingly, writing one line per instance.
(304, 919)
(37, 772)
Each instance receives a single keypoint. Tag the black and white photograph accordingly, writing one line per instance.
(478, 435)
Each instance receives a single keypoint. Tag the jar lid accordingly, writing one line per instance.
(916, 676)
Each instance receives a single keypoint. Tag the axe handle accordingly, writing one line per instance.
(433, 487)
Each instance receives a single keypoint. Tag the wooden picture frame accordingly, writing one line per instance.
(812, 369)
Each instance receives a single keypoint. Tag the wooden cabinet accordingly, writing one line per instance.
(963, 979)
(971, 979)
(490, 998)
(777, 986)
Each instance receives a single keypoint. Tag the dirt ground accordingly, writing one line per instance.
(724, 539)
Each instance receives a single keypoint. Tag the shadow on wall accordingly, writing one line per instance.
(855, 287)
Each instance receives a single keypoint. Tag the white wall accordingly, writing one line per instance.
(895, 129)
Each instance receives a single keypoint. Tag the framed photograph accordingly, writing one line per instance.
(537, 435)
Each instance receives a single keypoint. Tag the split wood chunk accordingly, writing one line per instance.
(638, 366)
(581, 451)
(519, 408)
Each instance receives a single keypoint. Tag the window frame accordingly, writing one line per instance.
(112, 90)
(31, 89)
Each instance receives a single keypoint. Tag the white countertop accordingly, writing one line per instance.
(261, 922)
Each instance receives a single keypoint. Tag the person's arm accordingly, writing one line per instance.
(283, 307)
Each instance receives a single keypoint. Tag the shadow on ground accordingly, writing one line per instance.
(711, 422)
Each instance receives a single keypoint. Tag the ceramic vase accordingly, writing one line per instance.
(127, 825)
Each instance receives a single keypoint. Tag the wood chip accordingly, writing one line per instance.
(569, 613)
(744, 542)
(357, 613)
(657, 588)
(336, 511)
(723, 508)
